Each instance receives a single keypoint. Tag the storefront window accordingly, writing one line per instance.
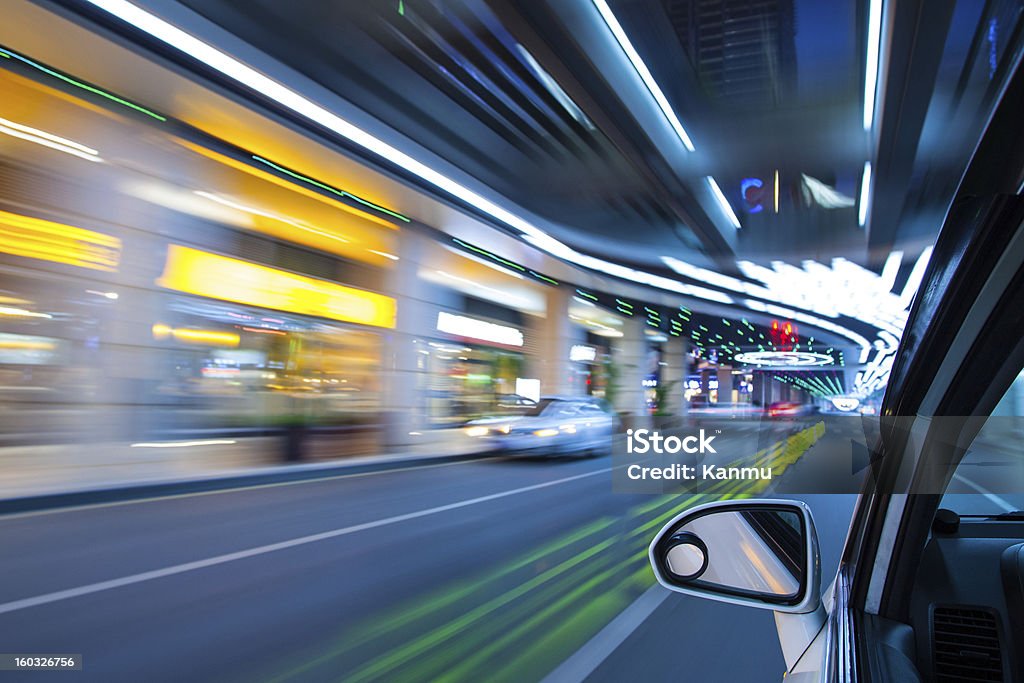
(85, 361)
(242, 366)
(469, 381)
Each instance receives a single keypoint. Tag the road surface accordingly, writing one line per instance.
(494, 569)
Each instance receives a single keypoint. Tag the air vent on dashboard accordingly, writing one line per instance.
(965, 645)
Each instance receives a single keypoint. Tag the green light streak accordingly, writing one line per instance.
(488, 254)
(530, 627)
(586, 295)
(83, 86)
(333, 190)
(545, 278)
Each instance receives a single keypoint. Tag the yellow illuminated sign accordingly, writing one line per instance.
(192, 336)
(49, 241)
(220, 277)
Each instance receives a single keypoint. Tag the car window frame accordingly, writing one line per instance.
(957, 267)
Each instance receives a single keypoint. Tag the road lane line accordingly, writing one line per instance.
(595, 651)
(998, 500)
(235, 489)
(69, 593)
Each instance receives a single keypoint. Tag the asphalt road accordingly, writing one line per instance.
(497, 569)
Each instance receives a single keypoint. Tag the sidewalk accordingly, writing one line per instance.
(57, 470)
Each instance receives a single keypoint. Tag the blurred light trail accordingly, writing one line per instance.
(36, 238)
(132, 579)
(865, 195)
(224, 201)
(471, 328)
(55, 142)
(195, 336)
(22, 313)
(477, 287)
(285, 181)
(569, 587)
(79, 84)
(220, 277)
(315, 113)
(643, 72)
(874, 38)
(333, 190)
(184, 444)
(723, 202)
(869, 299)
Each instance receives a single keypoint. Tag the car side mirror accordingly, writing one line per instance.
(760, 553)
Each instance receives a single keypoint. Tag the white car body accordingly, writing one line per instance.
(564, 425)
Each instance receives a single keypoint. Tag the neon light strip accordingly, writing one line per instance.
(258, 82)
(586, 295)
(324, 186)
(488, 254)
(545, 278)
(874, 37)
(80, 84)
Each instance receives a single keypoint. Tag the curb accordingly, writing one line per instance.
(226, 482)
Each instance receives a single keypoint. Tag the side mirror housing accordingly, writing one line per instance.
(759, 553)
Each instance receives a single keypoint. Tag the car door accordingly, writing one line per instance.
(594, 424)
(962, 349)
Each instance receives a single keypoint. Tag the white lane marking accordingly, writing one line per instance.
(998, 500)
(57, 596)
(236, 489)
(585, 660)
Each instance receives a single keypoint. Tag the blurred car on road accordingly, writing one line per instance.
(789, 410)
(730, 410)
(556, 425)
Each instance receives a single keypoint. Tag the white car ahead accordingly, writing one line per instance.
(557, 425)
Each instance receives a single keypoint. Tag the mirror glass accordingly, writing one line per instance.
(753, 551)
(684, 559)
